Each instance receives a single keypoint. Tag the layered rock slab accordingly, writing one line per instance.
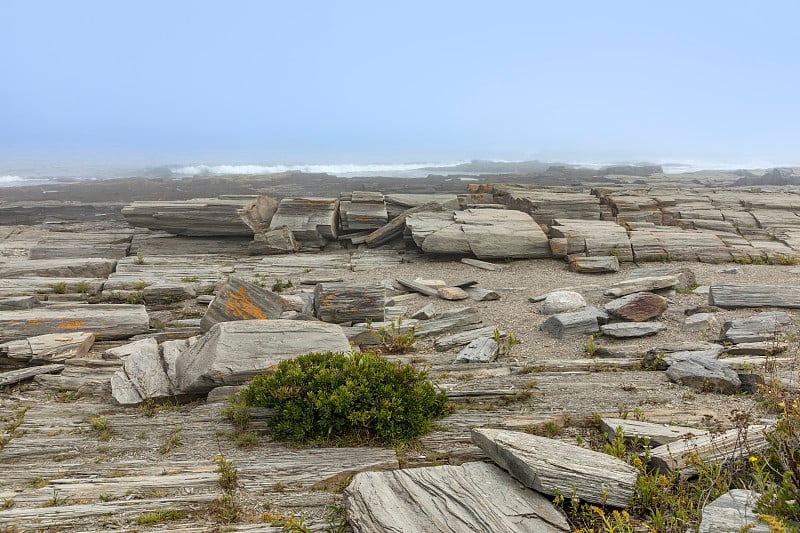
(106, 321)
(467, 498)
(240, 300)
(233, 352)
(550, 466)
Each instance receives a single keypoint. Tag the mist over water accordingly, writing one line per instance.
(40, 173)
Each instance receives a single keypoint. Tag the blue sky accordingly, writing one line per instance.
(280, 82)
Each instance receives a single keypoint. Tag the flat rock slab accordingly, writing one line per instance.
(727, 446)
(594, 265)
(700, 322)
(563, 302)
(736, 296)
(671, 355)
(463, 338)
(756, 349)
(733, 512)
(627, 330)
(551, 466)
(233, 352)
(483, 265)
(482, 295)
(240, 300)
(276, 241)
(766, 326)
(637, 307)
(575, 324)
(13, 377)
(106, 321)
(686, 276)
(19, 302)
(657, 434)
(458, 499)
(705, 374)
(58, 268)
(645, 284)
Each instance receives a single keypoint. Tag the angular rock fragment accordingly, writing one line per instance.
(700, 322)
(644, 284)
(637, 307)
(574, 324)
(312, 221)
(452, 293)
(142, 376)
(349, 302)
(233, 352)
(198, 217)
(704, 374)
(765, 326)
(482, 295)
(627, 330)
(424, 313)
(19, 302)
(594, 264)
(239, 300)
(258, 213)
(551, 466)
(481, 350)
(455, 499)
(276, 241)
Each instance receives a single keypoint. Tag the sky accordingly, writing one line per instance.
(315, 82)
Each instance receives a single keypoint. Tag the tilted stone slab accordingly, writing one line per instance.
(551, 466)
(456, 499)
(233, 352)
(733, 512)
(142, 376)
(106, 321)
(735, 296)
(594, 265)
(240, 300)
(657, 434)
(725, 447)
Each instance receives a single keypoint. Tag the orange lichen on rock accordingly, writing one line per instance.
(239, 305)
(75, 324)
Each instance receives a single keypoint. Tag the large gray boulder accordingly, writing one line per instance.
(485, 233)
(240, 300)
(233, 352)
(456, 499)
(704, 374)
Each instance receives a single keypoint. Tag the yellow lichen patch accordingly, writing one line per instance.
(74, 324)
(34, 322)
(239, 305)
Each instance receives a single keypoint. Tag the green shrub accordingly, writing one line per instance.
(59, 288)
(357, 397)
(279, 285)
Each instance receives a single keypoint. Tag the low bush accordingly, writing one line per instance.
(359, 397)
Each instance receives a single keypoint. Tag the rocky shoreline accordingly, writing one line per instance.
(664, 298)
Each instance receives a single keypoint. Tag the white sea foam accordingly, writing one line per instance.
(10, 179)
(335, 169)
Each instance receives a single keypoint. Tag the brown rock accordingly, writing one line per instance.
(453, 293)
(637, 307)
